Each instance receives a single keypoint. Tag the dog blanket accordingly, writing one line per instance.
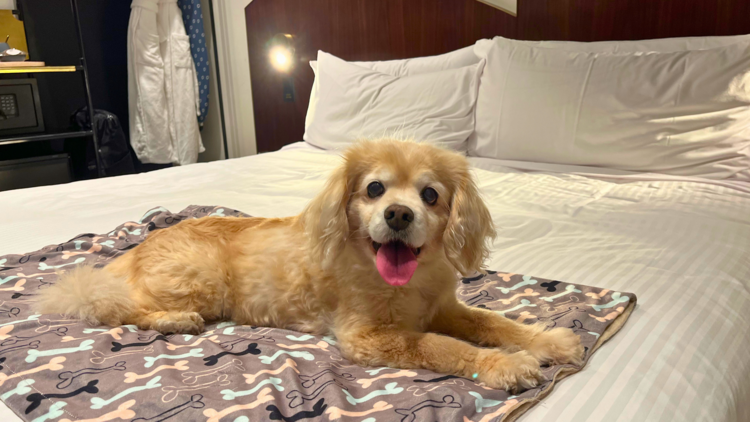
(56, 369)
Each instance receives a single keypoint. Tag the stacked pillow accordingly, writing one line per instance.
(639, 106)
(674, 106)
(662, 45)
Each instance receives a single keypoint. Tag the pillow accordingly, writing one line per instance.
(683, 113)
(661, 45)
(453, 60)
(358, 102)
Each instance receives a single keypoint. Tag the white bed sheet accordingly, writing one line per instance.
(682, 247)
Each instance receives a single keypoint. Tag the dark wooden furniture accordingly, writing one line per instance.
(82, 67)
(36, 171)
(394, 29)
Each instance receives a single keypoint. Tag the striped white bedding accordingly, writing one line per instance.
(683, 247)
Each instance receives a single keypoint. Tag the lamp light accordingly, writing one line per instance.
(281, 56)
(281, 52)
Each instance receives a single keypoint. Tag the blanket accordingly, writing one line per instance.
(58, 369)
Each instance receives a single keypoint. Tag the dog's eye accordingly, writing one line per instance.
(430, 196)
(375, 189)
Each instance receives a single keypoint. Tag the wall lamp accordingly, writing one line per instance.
(281, 55)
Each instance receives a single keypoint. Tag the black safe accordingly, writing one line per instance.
(20, 109)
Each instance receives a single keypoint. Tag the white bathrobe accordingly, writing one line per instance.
(162, 85)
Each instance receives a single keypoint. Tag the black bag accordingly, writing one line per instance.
(113, 146)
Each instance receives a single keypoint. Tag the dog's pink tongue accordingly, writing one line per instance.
(396, 263)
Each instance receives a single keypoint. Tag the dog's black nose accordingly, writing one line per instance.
(398, 217)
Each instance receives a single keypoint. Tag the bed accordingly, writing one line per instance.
(680, 245)
(639, 186)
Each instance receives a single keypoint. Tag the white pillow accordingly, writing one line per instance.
(356, 102)
(661, 45)
(684, 113)
(452, 60)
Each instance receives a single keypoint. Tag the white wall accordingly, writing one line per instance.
(509, 6)
(234, 66)
(212, 133)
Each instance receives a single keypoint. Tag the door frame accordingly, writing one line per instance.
(234, 71)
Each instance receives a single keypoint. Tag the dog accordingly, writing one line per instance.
(373, 259)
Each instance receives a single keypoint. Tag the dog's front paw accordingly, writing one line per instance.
(514, 372)
(180, 323)
(557, 346)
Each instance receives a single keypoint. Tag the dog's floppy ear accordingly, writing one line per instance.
(324, 219)
(469, 228)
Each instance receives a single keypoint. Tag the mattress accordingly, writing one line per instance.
(681, 245)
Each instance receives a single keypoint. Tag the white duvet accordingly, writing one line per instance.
(683, 247)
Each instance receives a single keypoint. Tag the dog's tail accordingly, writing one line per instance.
(91, 294)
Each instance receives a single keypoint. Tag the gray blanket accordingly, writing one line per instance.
(55, 369)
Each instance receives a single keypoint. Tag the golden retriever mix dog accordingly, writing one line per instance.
(373, 260)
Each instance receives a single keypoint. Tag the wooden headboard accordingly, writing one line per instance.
(395, 29)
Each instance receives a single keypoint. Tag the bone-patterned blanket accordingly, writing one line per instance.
(59, 369)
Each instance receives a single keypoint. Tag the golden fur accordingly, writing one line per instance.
(316, 273)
